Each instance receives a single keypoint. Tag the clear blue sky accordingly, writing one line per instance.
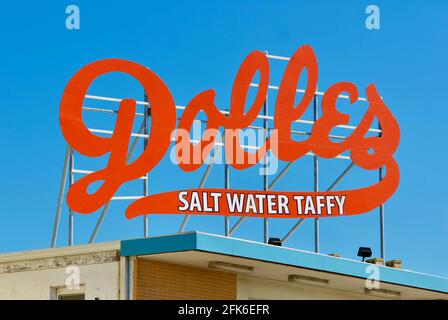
(198, 45)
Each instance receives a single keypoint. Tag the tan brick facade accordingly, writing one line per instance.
(160, 280)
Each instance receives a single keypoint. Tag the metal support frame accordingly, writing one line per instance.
(266, 169)
(226, 186)
(316, 188)
(107, 205)
(381, 210)
(271, 186)
(143, 132)
(316, 180)
(332, 186)
(147, 111)
(293, 229)
(201, 184)
(266, 185)
(61, 196)
(71, 218)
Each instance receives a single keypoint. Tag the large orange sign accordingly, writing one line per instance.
(367, 152)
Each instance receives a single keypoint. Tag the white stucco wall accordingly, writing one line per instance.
(98, 280)
(42, 274)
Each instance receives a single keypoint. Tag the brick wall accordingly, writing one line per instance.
(160, 280)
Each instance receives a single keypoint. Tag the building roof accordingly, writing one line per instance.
(165, 246)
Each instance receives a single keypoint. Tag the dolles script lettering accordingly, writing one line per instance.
(369, 153)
